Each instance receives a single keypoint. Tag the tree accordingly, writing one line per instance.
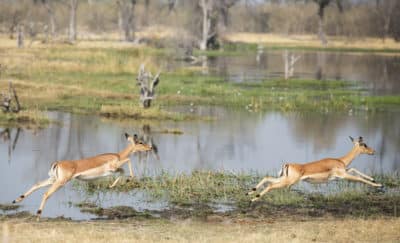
(223, 10)
(322, 4)
(126, 9)
(211, 11)
(51, 18)
(72, 31)
(385, 10)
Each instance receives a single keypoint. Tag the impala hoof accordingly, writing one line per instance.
(14, 201)
(39, 212)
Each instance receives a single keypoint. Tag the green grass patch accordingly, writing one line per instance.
(102, 81)
(200, 189)
(24, 118)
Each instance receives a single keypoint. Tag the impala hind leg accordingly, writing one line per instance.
(262, 182)
(360, 173)
(34, 188)
(283, 182)
(56, 185)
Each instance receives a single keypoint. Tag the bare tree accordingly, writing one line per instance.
(223, 10)
(290, 60)
(385, 10)
(126, 9)
(72, 33)
(51, 17)
(147, 83)
(322, 4)
(215, 18)
(206, 7)
(20, 36)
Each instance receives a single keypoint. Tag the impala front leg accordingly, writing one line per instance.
(130, 168)
(359, 179)
(360, 173)
(118, 165)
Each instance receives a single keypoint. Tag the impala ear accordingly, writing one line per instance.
(126, 135)
(135, 138)
(351, 138)
(360, 139)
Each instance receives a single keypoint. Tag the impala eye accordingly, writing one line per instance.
(365, 146)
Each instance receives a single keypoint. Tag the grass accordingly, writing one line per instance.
(136, 230)
(101, 80)
(25, 118)
(312, 43)
(195, 193)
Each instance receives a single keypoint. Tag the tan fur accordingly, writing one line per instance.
(319, 171)
(88, 168)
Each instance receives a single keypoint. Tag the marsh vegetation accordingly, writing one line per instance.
(230, 108)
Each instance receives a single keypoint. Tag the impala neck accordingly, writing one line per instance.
(125, 153)
(349, 157)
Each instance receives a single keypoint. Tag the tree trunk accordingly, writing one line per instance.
(20, 36)
(321, 33)
(120, 20)
(386, 26)
(126, 18)
(146, 12)
(52, 21)
(206, 24)
(73, 6)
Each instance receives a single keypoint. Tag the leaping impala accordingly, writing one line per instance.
(320, 171)
(86, 169)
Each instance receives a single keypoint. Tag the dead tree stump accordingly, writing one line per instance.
(147, 83)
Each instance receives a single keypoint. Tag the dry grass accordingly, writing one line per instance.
(311, 41)
(211, 230)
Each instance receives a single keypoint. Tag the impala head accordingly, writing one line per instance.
(137, 145)
(362, 147)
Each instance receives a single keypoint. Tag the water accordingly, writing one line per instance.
(236, 141)
(378, 73)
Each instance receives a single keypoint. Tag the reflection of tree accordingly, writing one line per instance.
(5, 135)
(320, 65)
(147, 138)
(74, 140)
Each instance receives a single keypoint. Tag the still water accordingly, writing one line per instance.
(235, 141)
(378, 73)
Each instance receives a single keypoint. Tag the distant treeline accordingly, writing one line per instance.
(202, 19)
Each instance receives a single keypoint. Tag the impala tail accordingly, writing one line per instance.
(284, 170)
(53, 170)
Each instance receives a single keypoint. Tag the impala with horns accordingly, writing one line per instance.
(320, 171)
(86, 169)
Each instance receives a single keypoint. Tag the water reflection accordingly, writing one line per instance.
(378, 73)
(6, 137)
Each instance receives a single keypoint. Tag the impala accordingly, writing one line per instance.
(320, 171)
(86, 169)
